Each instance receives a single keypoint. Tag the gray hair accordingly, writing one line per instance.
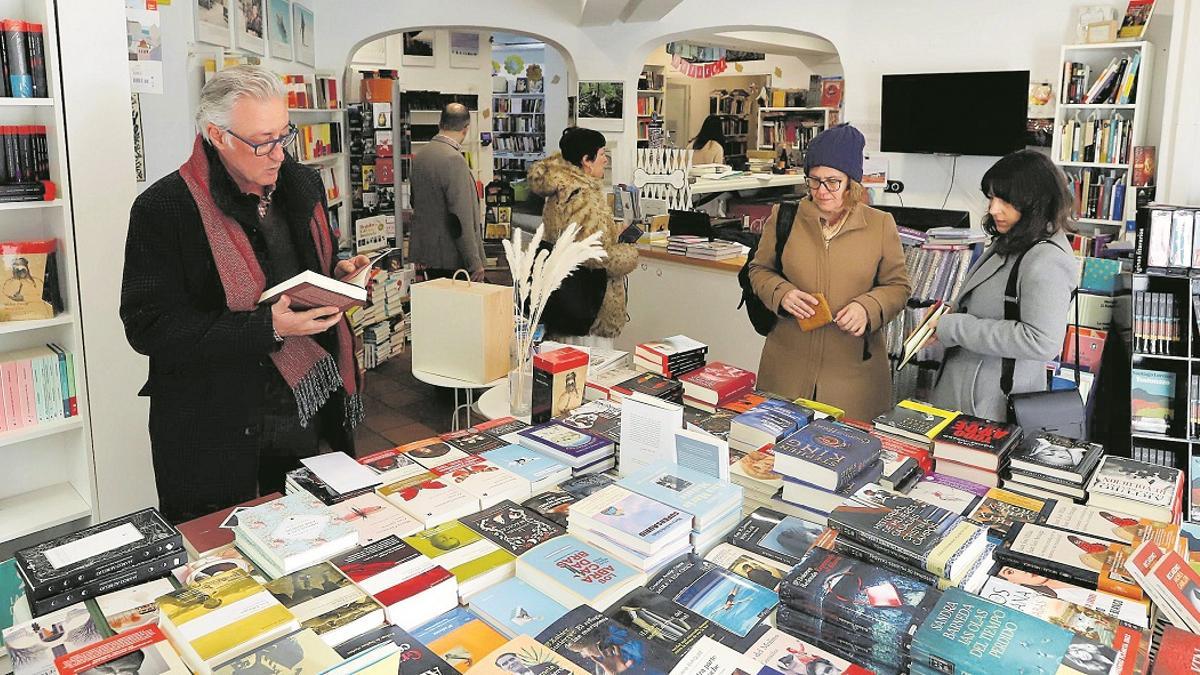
(228, 86)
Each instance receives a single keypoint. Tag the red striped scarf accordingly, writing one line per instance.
(312, 373)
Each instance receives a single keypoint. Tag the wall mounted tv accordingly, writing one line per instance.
(955, 113)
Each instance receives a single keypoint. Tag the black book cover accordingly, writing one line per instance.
(1063, 456)
(775, 536)
(600, 645)
(734, 602)
(1065, 556)
(307, 481)
(599, 418)
(715, 423)
(585, 485)
(880, 658)
(554, 506)
(511, 527)
(473, 442)
(130, 576)
(665, 623)
(15, 43)
(652, 385)
(850, 548)
(907, 419)
(35, 43)
(417, 660)
(976, 433)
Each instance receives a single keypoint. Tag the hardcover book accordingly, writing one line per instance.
(541, 471)
(459, 637)
(574, 573)
(831, 540)
(947, 638)
(1059, 456)
(928, 536)
(913, 419)
(1142, 489)
(826, 453)
(407, 655)
(953, 494)
(1001, 509)
(1114, 526)
(650, 385)
(301, 652)
(582, 486)
(144, 651)
(429, 499)
(292, 533)
(788, 654)
(900, 472)
(515, 608)
(976, 441)
(670, 349)
(755, 470)
(486, 482)
(635, 521)
(374, 518)
(717, 382)
(775, 536)
(464, 552)
(527, 656)
(33, 645)
(883, 658)
(559, 440)
(745, 402)
(768, 422)
(309, 290)
(735, 603)
(590, 639)
(705, 498)
(713, 423)
(1171, 583)
(512, 527)
(325, 602)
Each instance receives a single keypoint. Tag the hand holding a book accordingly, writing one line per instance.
(853, 319)
(799, 304)
(288, 323)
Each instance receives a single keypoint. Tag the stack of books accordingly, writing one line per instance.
(475, 561)
(291, 533)
(1144, 490)
(670, 357)
(767, 423)
(206, 636)
(775, 536)
(715, 506)
(715, 385)
(714, 250)
(755, 472)
(303, 481)
(705, 592)
(113, 555)
(306, 653)
(644, 532)
(649, 384)
(1170, 581)
(897, 531)
(823, 464)
(515, 608)
(206, 534)
(487, 483)
(325, 601)
(678, 244)
(584, 452)
(975, 449)
(858, 611)
(956, 495)
(575, 573)
(600, 385)
(915, 422)
(542, 472)
(1053, 467)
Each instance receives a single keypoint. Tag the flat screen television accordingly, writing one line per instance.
(955, 113)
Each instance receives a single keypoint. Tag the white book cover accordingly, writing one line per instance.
(430, 499)
(375, 518)
(341, 472)
(702, 452)
(134, 606)
(485, 481)
(648, 427)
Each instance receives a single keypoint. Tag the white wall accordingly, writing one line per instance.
(872, 38)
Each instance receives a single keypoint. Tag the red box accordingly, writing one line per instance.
(559, 377)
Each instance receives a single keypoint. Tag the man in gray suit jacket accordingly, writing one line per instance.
(445, 227)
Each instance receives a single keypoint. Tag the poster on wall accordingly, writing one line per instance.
(417, 49)
(304, 41)
(464, 50)
(212, 22)
(279, 28)
(139, 147)
(143, 38)
(248, 26)
(603, 102)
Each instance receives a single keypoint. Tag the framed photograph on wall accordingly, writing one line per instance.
(279, 28)
(212, 22)
(417, 49)
(601, 104)
(249, 22)
(464, 50)
(304, 43)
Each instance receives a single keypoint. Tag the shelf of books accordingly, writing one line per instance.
(793, 128)
(1100, 130)
(518, 130)
(45, 441)
(651, 101)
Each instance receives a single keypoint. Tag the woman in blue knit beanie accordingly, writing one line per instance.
(848, 254)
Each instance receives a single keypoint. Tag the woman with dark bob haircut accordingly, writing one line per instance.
(1028, 216)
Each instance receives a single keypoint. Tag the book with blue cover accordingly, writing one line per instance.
(574, 572)
(880, 658)
(732, 601)
(664, 622)
(633, 520)
(589, 639)
(558, 440)
(827, 454)
(768, 422)
(965, 628)
(541, 471)
(515, 608)
(707, 499)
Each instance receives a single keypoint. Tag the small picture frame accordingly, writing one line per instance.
(521, 86)
(1101, 32)
(537, 86)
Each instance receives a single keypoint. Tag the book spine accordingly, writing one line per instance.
(29, 388)
(74, 400)
(871, 541)
(71, 577)
(36, 44)
(130, 576)
(19, 78)
(42, 152)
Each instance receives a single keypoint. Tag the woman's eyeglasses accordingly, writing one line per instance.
(830, 184)
(267, 147)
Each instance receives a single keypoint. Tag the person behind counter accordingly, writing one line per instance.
(708, 147)
(850, 253)
(569, 180)
(1028, 215)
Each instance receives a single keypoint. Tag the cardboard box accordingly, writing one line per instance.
(559, 378)
(462, 329)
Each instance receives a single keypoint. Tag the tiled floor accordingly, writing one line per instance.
(401, 408)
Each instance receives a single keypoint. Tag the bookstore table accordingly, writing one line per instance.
(456, 384)
(744, 182)
(494, 404)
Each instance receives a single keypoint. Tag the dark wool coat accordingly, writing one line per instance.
(208, 365)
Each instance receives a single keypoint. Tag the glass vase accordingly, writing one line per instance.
(520, 378)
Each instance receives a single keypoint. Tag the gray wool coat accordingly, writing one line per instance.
(445, 225)
(977, 337)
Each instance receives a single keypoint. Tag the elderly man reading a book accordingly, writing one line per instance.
(239, 389)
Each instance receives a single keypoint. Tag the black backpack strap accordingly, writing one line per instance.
(783, 229)
(1012, 312)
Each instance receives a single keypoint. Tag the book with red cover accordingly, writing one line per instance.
(413, 586)
(204, 535)
(744, 402)
(157, 655)
(1178, 653)
(717, 383)
(1091, 348)
(977, 442)
(897, 445)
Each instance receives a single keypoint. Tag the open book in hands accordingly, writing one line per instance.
(923, 332)
(308, 289)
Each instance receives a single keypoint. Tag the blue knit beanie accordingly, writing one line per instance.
(839, 147)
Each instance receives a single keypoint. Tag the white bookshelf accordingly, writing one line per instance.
(339, 161)
(1097, 57)
(653, 99)
(503, 164)
(49, 468)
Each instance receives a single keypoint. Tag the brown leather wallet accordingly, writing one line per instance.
(821, 316)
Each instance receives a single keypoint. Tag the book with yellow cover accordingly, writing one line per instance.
(1000, 509)
(821, 408)
(299, 652)
(474, 561)
(215, 619)
(916, 420)
(524, 654)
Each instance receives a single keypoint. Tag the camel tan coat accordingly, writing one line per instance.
(574, 197)
(863, 263)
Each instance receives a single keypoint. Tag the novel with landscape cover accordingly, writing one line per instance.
(591, 640)
(1152, 400)
(736, 603)
(826, 453)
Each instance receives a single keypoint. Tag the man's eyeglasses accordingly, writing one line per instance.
(830, 184)
(267, 147)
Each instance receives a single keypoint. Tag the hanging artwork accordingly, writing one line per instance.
(417, 48)
(212, 21)
(279, 28)
(143, 38)
(601, 100)
(662, 174)
(248, 26)
(699, 71)
(464, 50)
(304, 41)
(139, 147)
